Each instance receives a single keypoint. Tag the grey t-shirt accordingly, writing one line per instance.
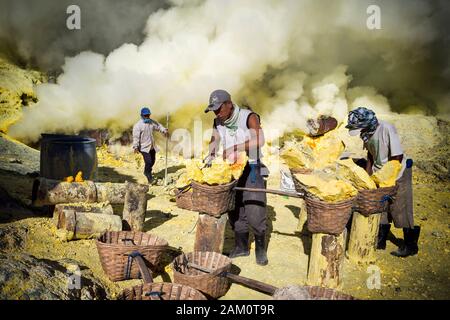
(385, 143)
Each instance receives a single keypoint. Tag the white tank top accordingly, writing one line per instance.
(242, 134)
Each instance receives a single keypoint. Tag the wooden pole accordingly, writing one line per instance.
(363, 238)
(74, 225)
(135, 206)
(167, 150)
(326, 260)
(210, 234)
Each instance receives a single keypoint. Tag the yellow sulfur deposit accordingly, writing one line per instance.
(79, 177)
(193, 170)
(68, 179)
(326, 189)
(183, 181)
(238, 168)
(387, 175)
(347, 170)
(220, 172)
(314, 152)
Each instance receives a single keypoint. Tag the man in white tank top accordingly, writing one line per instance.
(383, 144)
(239, 130)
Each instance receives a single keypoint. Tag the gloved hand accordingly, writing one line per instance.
(208, 161)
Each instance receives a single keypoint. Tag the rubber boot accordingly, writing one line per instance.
(260, 250)
(410, 247)
(149, 178)
(382, 236)
(241, 245)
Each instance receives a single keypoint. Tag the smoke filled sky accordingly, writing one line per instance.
(289, 60)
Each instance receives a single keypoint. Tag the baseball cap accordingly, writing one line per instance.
(216, 99)
(145, 111)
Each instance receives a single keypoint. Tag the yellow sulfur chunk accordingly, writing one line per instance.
(314, 152)
(329, 190)
(183, 181)
(387, 175)
(218, 173)
(348, 170)
(68, 179)
(193, 171)
(79, 177)
(238, 168)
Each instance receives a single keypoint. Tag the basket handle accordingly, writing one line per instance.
(145, 273)
(156, 294)
(130, 240)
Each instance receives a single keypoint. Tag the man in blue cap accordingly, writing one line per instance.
(383, 144)
(143, 140)
(238, 130)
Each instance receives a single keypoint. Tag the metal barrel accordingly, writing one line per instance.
(65, 155)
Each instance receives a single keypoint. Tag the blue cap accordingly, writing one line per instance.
(145, 111)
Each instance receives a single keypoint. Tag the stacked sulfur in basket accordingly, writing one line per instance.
(209, 189)
(335, 187)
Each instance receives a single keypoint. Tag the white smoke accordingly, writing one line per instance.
(289, 60)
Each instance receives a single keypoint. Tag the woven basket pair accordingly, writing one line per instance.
(184, 199)
(116, 248)
(161, 291)
(375, 200)
(326, 217)
(213, 285)
(213, 200)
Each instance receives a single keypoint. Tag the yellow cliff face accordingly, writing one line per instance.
(326, 189)
(314, 152)
(347, 170)
(387, 175)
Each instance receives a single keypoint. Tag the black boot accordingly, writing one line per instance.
(241, 245)
(260, 250)
(149, 178)
(410, 247)
(382, 236)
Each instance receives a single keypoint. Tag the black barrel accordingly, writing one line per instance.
(65, 155)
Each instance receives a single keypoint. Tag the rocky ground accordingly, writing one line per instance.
(34, 264)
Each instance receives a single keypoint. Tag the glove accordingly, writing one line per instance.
(208, 161)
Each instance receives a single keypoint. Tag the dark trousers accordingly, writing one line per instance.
(250, 209)
(149, 160)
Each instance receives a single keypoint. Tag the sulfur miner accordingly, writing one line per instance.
(239, 129)
(384, 149)
(143, 141)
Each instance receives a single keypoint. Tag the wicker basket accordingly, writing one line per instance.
(325, 217)
(375, 200)
(298, 186)
(213, 200)
(327, 293)
(161, 291)
(184, 199)
(116, 247)
(211, 284)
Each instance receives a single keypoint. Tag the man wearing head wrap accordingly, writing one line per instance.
(383, 144)
(143, 140)
(239, 129)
